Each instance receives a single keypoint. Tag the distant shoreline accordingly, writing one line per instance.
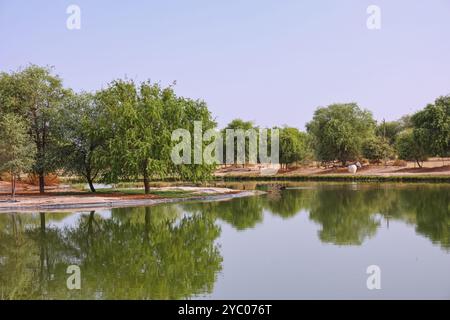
(432, 171)
(340, 177)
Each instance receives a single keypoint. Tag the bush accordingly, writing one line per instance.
(375, 150)
(411, 146)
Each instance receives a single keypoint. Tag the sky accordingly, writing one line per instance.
(272, 62)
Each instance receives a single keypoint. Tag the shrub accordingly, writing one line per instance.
(376, 149)
(411, 146)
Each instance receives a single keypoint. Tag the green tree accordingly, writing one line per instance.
(34, 93)
(239, 124)
(433, 123)
(389, 130)
(339, 130)
(376, 149)
(411, 145)
(138, 123)
(294, 146)
(192, 111)
(80, 138)
(130, 128)
(16, 149)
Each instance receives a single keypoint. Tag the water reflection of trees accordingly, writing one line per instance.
(151, 253)
(430, 208)
(241, 213)
(170, 251)
(347, 214)
(29, 250)
(288, 203)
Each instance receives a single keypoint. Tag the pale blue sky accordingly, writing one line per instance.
(272, 62)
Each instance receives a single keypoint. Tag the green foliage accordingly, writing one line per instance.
(80, 138)
(339, 131)
(190, 112)
(411, 146)
(138, 122)
(34, 93)
(124, 132)
(389, 130)
(376, 149)
(16, 149)
(432, 124)
(238, 124)
(294, 146)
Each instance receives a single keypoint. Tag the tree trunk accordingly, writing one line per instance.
(91, 184)
(41, 182)
(13, 187)
(146, 179)
(418, 163)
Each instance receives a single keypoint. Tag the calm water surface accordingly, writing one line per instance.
(312, 240)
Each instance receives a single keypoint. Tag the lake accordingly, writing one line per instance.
(307, 241)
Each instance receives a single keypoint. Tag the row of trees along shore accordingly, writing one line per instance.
(123, 132)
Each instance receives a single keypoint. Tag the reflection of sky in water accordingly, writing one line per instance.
(98, 186)
(293, 264)
(73, 218)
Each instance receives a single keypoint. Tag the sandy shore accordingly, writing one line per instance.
(367, 170)
(85, 201)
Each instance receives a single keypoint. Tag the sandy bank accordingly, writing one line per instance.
(87, 201)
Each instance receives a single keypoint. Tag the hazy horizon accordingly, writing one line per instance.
(263, 61)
